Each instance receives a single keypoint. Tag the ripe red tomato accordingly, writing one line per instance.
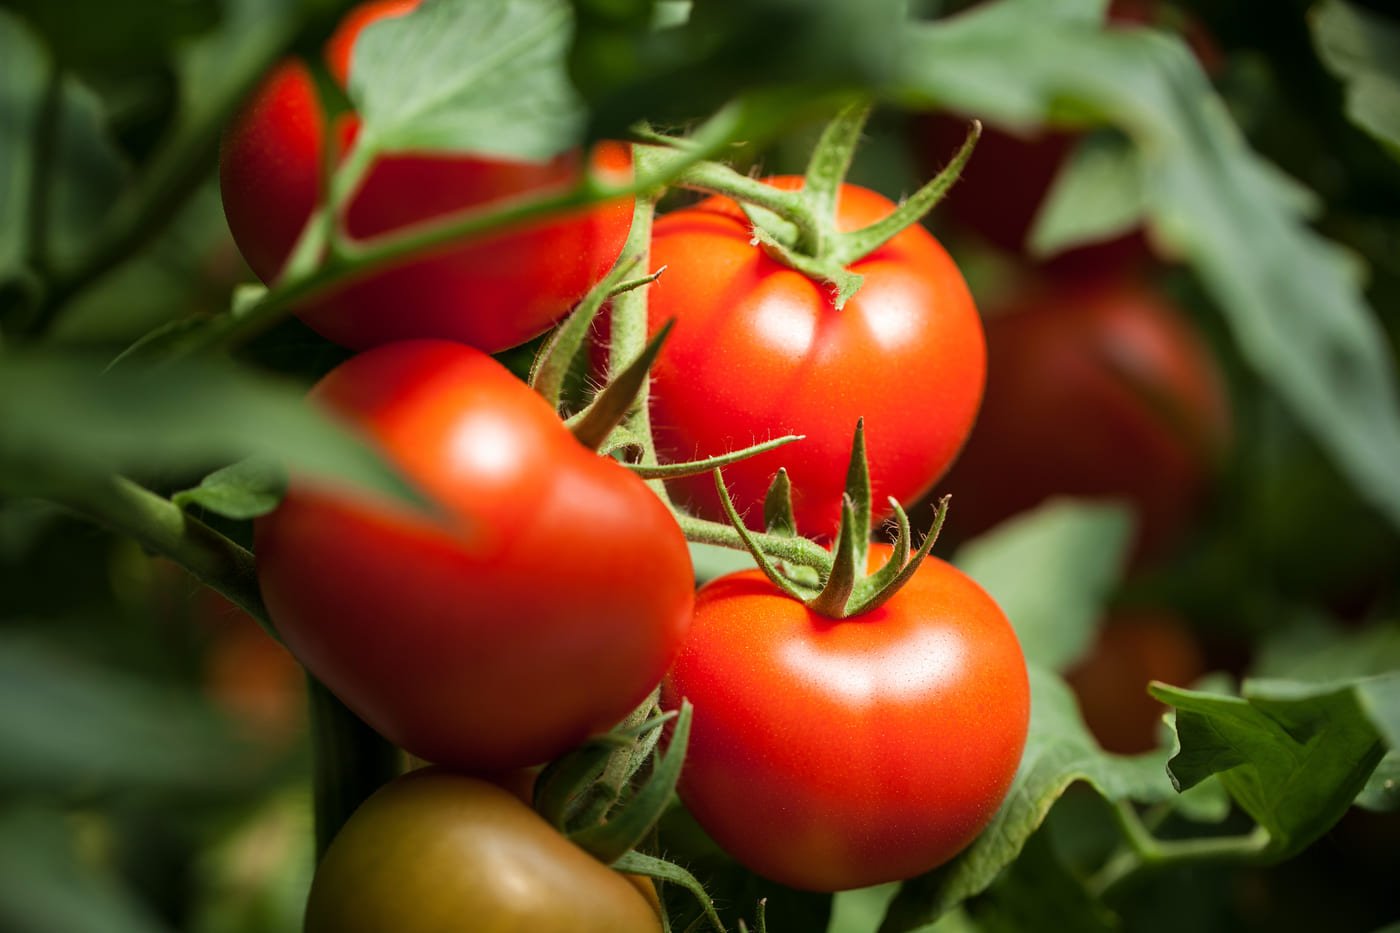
(759, 350)
(541, 606)
(438, 851)
(1132, 650)
(1097, 389)
(493, 293)
(828, 754)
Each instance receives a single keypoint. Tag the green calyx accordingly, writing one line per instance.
(843, 589)
(799, 229)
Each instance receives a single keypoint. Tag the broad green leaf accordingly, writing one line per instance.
(1290, 297)
(1051, 571)
(1292, 755)
(47, 886)
(1363, 49)
(1059, 752)
(861, 910)
(1038, 892)
(62, 418)
(77, 730)
(1097, 195)
(23, 66)
(483, 77)
(1314, 651)
(244, 490)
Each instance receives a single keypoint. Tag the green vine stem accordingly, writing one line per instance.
(318, 271)
(350, 761)
(1145, 853)
(162, 527)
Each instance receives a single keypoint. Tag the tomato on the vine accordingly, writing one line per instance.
(1096, 388)
(492, 293)
(759, 350)
(539, 604)
(830, 754)
(438, 851)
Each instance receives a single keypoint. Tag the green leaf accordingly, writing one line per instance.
(244, 490)
(1363, 49)
(1097, 195)
(1059, 752)
(481, 77)
(1051, 571)
(1292, 755)
(62, 418)
(92, 37)
(78, 730)
(1038, 891)
(47, 886)
(1294, 307)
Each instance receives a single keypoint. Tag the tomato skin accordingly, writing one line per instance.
(1097, 389)
(492, 293)
(541, 607)
(1132, 650)
(828, 755)
(758, 351)
(436, 851)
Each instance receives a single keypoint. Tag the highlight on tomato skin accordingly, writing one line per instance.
(828, 755)
(492, 293)
(1096, 388)
(758, 350)
(491, 634)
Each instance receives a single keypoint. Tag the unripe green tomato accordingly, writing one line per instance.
(437, 852)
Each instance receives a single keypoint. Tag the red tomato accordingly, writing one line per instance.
(1097, 389)
(492, 293)
(1133, 649)
(759, 351)
(827, 754)
(542, 605)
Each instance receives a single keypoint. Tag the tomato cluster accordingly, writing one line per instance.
(541, 591)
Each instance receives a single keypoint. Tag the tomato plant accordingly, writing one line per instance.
(434, 850)
(759, 350)
(831, 754)
(492, 294)
(493, 634)
(1096, 388)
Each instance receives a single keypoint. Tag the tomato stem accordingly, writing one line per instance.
(350, 761)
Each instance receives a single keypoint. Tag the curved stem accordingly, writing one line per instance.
(798, 551)
(1145, 852)
(161, 526)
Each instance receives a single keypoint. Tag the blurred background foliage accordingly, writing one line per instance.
(1236, 163)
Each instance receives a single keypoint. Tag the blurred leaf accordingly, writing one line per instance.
(77, 178)
(711, 561)
(1293, 755)
(1097, 195)
(46, 886)
(246, 489)
(1363, 49)
(79, 730)
(131, 35)
(1051, 571)
(469, 77)
(628, 70)
(861, 910)
(1382, 790)
(1314, 651)
(1059, 752)
(1292, 302)
(1038, 892)
(60, 417)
